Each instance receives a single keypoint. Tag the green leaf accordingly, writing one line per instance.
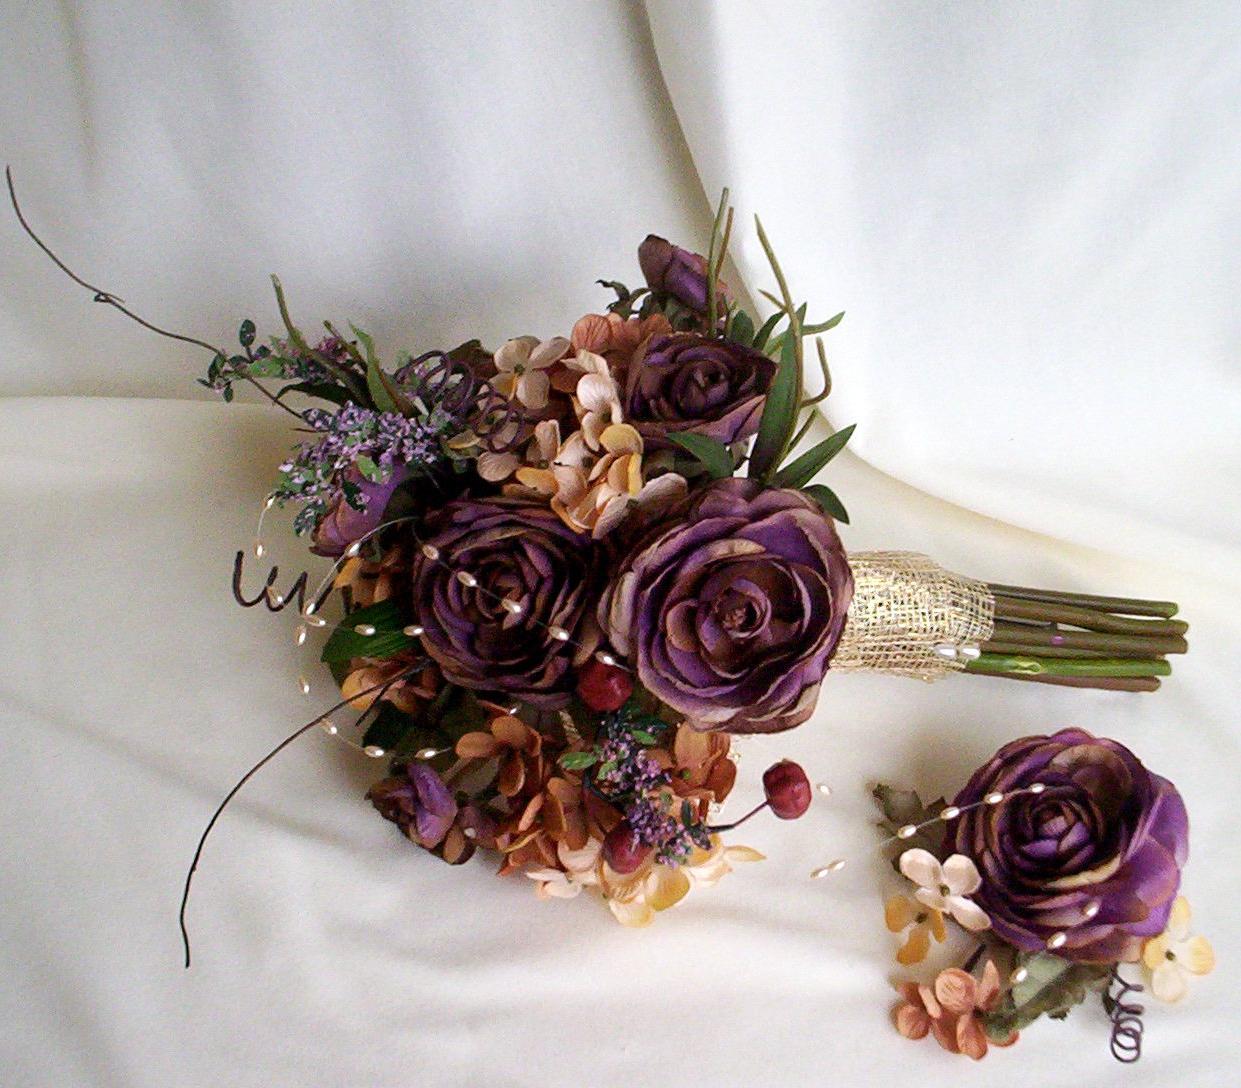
(800, 472)
(322, 390)
(741, 331)
(577, 761)
(269, 367)
(779, 419)
(712, 453)
(761, 337)
(901, 808)
(383, 391)
(368, 468)
(1052, 987)
(246, 333)
(387, 640)
(823, 326)
(829, 502)
(777, 345)
(388, 727)
(643, 736)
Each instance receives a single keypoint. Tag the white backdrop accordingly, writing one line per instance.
(1030, 215)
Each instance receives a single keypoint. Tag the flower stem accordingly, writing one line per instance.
(1013, 608)
(1127, 606)
(1057, 638)
(713, 828)
(1030, 665)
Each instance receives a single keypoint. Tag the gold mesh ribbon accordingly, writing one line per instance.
(905, 605)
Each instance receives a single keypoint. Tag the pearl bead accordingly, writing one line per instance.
(353, 549)
(950, 813)
(907, 832)
(994, 798)
(1057, 940)
(431, 552)
(374, 751)
(466, 579)
(558, 633)
(512, 607)
(365, 629)
(414, 630)
(330, 728)
(300, 636)
(1038, 787)
(1019, 976)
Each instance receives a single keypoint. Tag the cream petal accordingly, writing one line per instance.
(961, 875)
(532, 389)
(547, 439)
(968, 913)
(514, 353)
(597, 393)
(1179, 919)
(1168, 982)
(930, 897)
(922, 867)
(494, 467)
(743, 854)
(666, 887)
(621, 438)
(613, 513)
(548, 352)
(1196, 955)
(635, 913)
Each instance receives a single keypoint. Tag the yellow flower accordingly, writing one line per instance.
(899, 913)
(1169, 959)
(636, 898)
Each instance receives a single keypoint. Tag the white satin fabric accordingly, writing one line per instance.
(1052, 187)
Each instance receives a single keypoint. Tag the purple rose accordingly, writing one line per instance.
(685, 382)
(418, 802)
(507, 576)
(1095, 855)
(343, 523)
(674, 271)
(731, 610)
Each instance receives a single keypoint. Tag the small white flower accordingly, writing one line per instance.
(521, 366)
(1175, 955)
(946, 887)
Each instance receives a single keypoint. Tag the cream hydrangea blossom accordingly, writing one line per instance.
(521, 369)
(1170, 959)
(946, 886)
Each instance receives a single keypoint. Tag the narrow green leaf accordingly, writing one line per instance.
(382, 389)
(779, 418)
(777, 345)
(829, 501)
(800, 472)
(388, 639)
(764, 334)
(823, 326)
(645, 737)
(368, 468)
(712, 453)
(741, 330)
(323, 390)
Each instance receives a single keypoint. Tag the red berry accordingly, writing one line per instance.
(787, 789)
(622, 850)
(603, 687)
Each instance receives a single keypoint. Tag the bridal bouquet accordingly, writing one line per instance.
(565, 570)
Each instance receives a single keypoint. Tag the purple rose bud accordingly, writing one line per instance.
(418, 803)
(674, 271)
(686, 382)
(787, 789)
(731, 607)
(1094, 852)
(343, 523)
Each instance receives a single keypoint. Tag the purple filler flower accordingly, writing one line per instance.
(686, 382)
(418, 803)
(1095, 855)
(732, 608)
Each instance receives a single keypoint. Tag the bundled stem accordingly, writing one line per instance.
(1081, 640)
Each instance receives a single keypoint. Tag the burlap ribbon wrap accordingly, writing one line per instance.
(906, 610)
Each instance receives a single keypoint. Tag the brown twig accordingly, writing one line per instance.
(117, 303)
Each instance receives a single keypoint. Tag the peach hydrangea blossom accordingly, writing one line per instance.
(952, 1009)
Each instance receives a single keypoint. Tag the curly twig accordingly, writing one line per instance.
(1126, 1017)
(116, 302)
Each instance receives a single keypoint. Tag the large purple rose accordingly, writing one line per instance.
(687, 382)
(484, 553)
(730, 611)
(674, 271)
(1095, 855)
